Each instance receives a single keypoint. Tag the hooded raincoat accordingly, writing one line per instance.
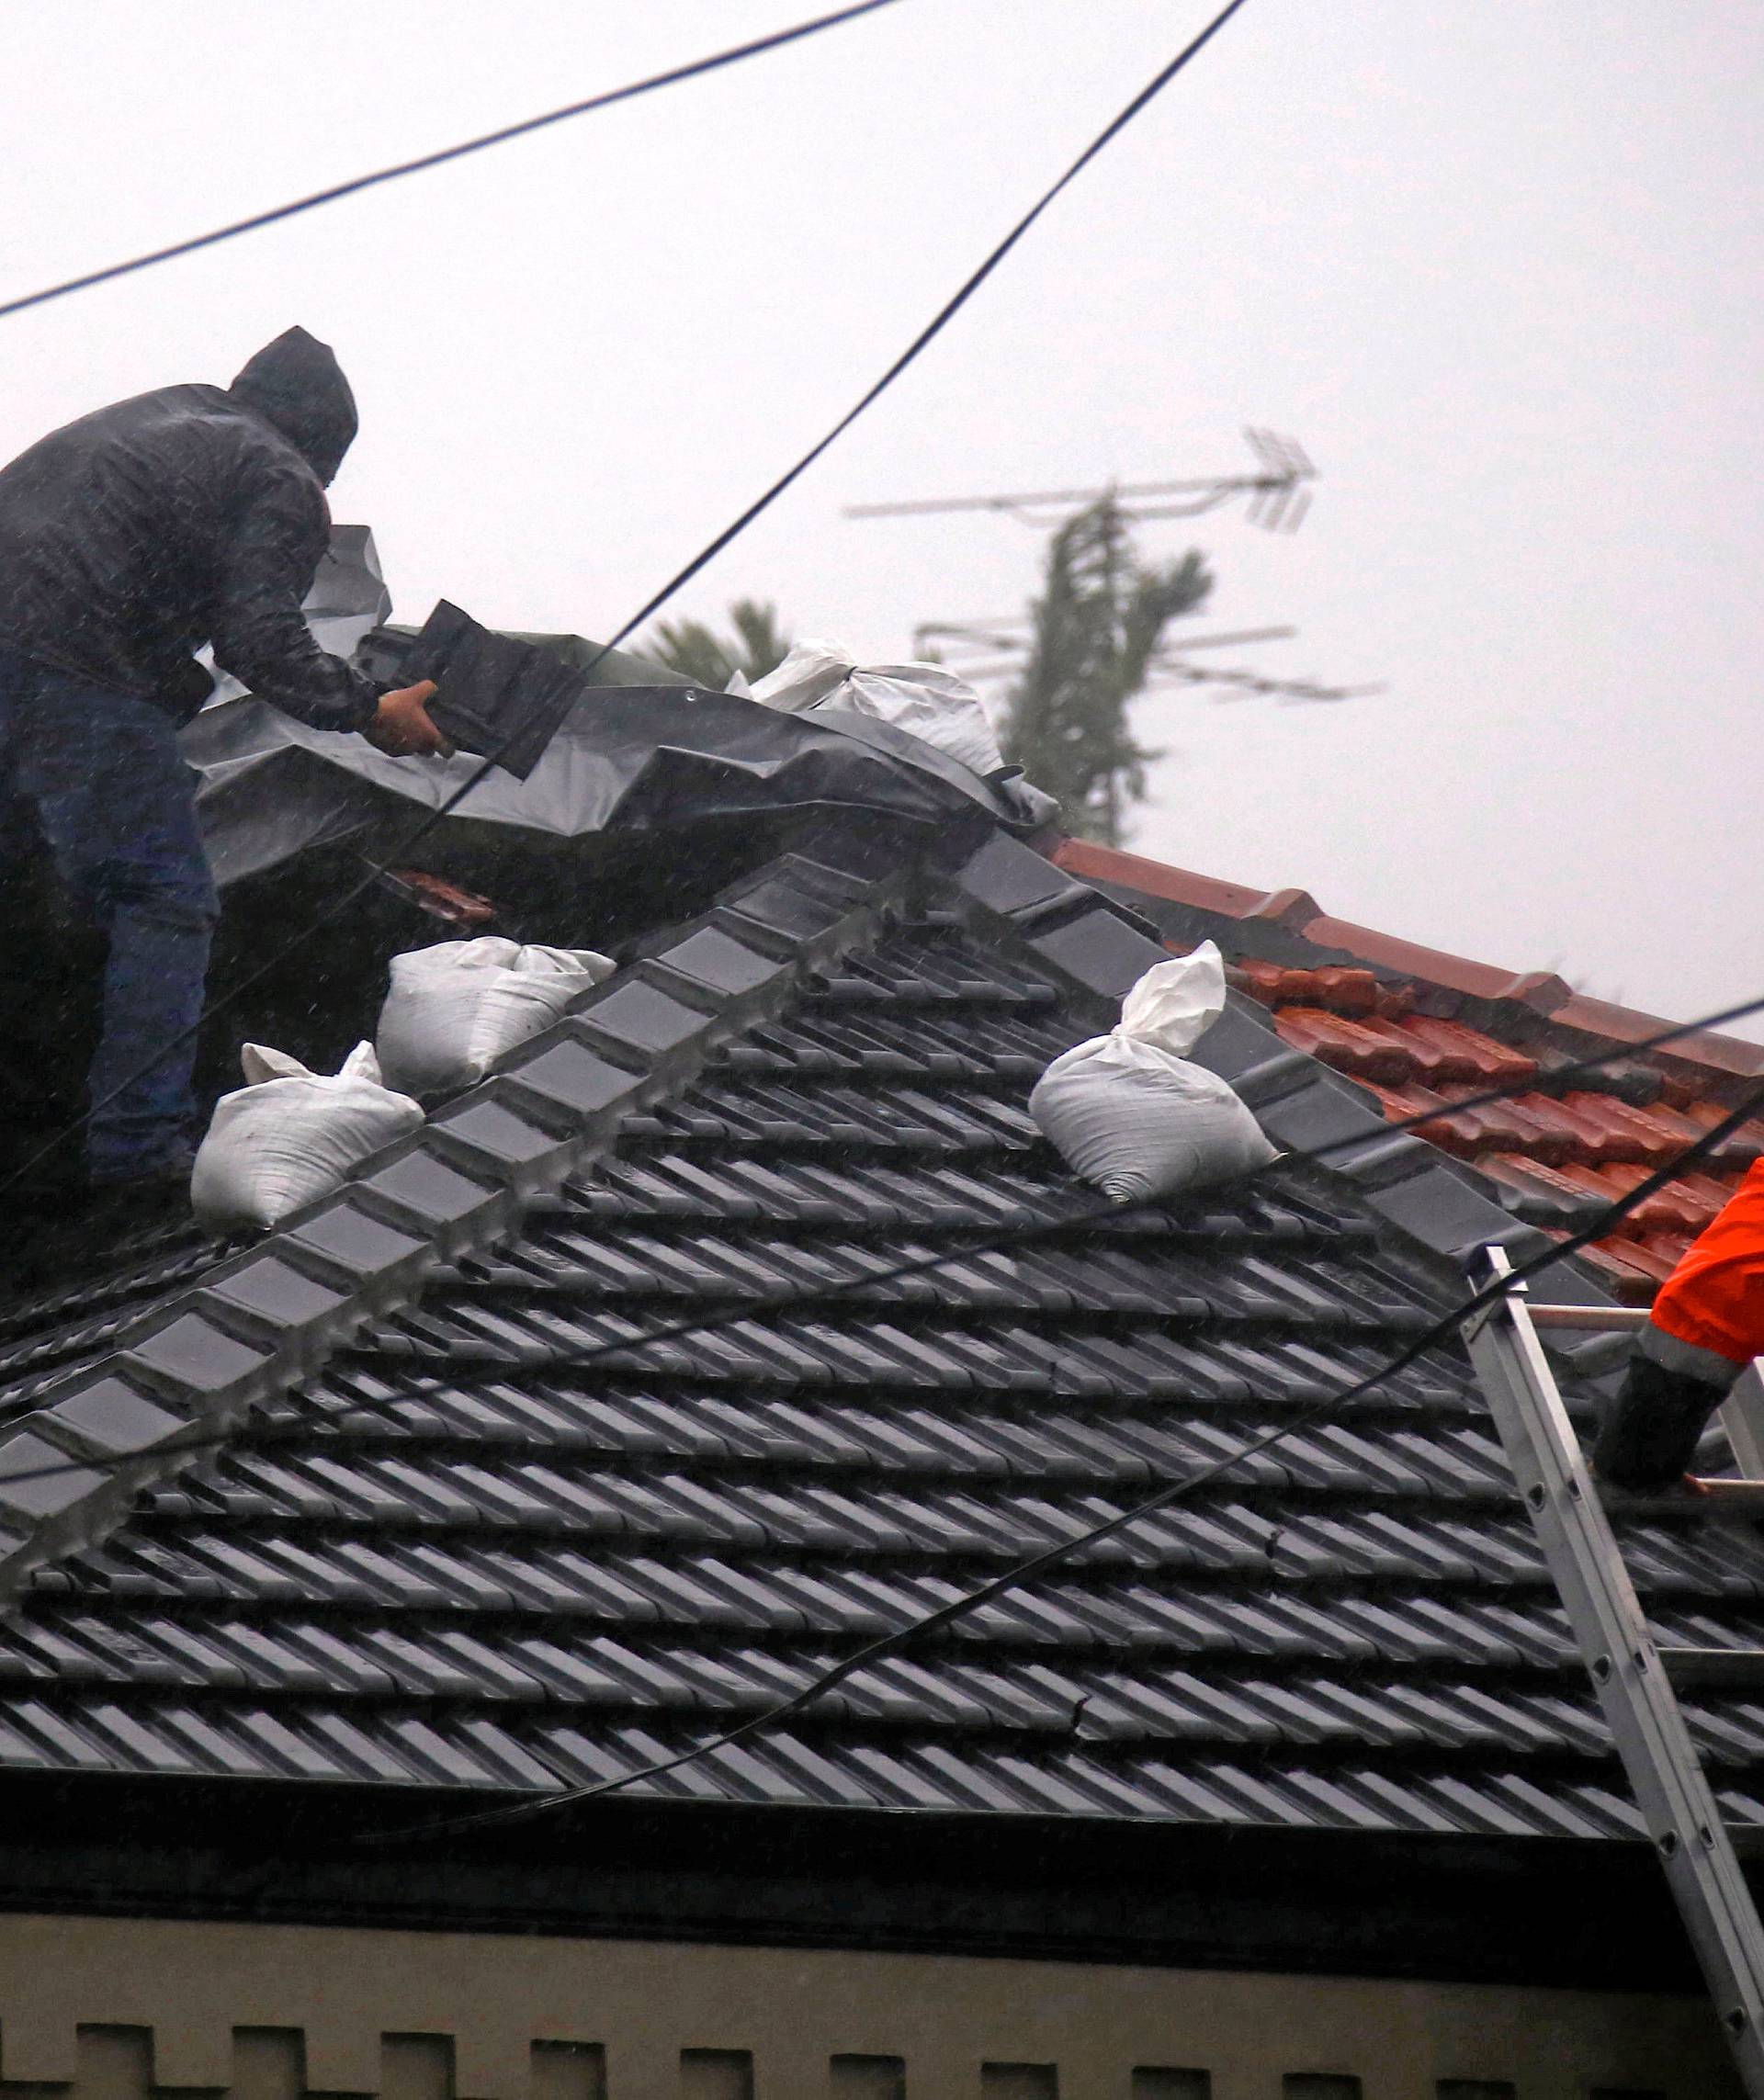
(191, 514)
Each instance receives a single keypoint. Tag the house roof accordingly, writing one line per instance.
(1420, 1029)
(448, 1542)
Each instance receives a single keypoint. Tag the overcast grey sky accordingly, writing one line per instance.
(1496, 266)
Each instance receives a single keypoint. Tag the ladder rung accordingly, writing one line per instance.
(1718, 1497)
(1721, 1497)
(1714, 1666)
(1606, 1320)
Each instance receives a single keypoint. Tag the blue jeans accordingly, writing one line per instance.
(115, 804)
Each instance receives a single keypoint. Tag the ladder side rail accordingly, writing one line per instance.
(1742, 1417)
(1677, 1803)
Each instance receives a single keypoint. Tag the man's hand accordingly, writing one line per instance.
(402, 729)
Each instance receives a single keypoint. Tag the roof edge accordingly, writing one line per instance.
(1592, 1914)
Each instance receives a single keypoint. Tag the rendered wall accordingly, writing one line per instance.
(112, 2009)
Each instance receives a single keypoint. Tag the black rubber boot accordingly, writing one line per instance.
(1650, 1432)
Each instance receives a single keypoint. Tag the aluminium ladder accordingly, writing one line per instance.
(1633, 1677)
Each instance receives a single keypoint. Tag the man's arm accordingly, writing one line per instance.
(262, 637)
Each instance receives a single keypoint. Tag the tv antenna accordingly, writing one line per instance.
(1277, 495)
(984, 650)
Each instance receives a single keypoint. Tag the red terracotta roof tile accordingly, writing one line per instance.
(1670, 1130)
(1459, 1134)
(1629, 1282)
(1741, 1148)
(1345, 1045)
(1542, 990)
(1674, 1209)
(1528, 1123)
(1660, 1251)
(1429, 1062)
(1352, 991)
(1537, 989)
(1549, 1186)
(1488, 1063)
(1332, 986)
(1709, 1188)
(1621, 1131)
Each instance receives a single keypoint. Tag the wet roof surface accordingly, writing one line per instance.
(461, 1556)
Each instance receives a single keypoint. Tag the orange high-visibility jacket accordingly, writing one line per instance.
(1715, 1298)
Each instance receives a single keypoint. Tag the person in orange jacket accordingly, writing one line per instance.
(1707, 1324)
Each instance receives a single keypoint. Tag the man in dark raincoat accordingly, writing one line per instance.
(128, 539)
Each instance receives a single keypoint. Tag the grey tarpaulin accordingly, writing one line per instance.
(347, 601)
(637, 753)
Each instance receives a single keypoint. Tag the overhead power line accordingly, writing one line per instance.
(939, 320)
(355, 183)
(400, 853)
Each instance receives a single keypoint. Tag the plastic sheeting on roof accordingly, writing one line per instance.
(637, 753)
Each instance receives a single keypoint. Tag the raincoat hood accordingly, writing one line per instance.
(297, 384)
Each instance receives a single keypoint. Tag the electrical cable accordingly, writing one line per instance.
(887, 1645)
(355, 183)
(926, 335)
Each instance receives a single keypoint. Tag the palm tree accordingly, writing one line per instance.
(689, 647)
(1094, 630)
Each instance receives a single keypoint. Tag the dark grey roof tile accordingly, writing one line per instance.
(1480, 1806)
(578, 1585)
(212, 1748)
(139, 1746)
(1389, 1802)
(1344, 1805)
(1256, 1796)
(443, 1756)
(1569, 1811)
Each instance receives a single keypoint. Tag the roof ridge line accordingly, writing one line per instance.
(198, 1363)
(1296, 912)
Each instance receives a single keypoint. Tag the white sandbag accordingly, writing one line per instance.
(811, 672)
(289, 1136)
(923, 699)
(1130, 1115)
(454, 1009)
